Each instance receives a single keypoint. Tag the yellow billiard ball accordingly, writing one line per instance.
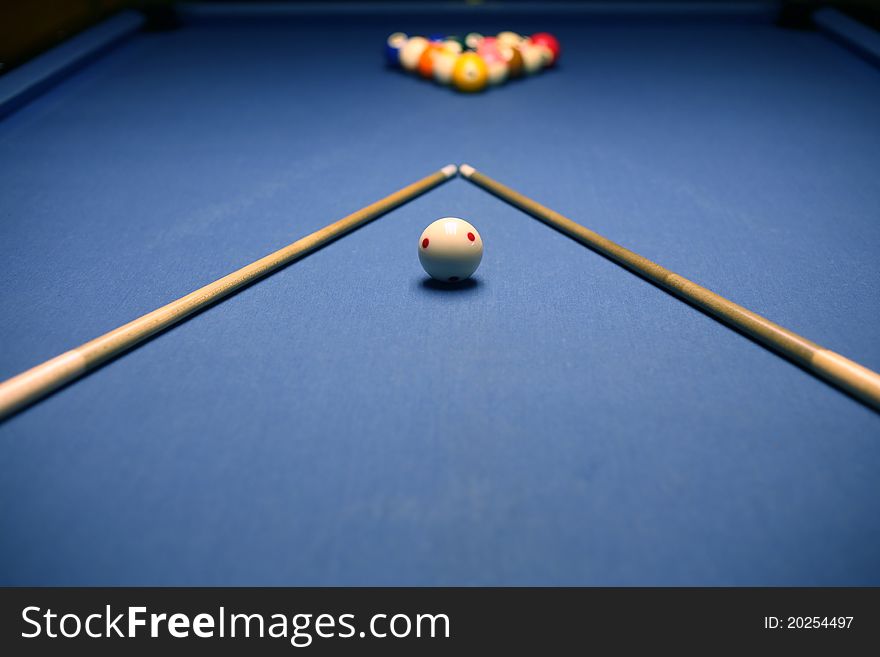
(470, 73)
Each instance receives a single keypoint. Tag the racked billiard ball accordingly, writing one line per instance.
(411, 52)
(472, 40)
(495, 61)
(508, 38)
(548, 41)
(470, 73)
(533, 57)
(392, 48)
(455, 43)
(488, 45)
(497, 71)
(514, 61)
(426, 61)
(452, 46)
(444, 64)
(450, 249)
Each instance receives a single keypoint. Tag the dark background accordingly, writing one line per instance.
(482, 620)
(28, 28)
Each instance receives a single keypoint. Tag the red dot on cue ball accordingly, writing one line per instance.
(425, 243)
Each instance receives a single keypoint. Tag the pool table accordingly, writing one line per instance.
(556, 421)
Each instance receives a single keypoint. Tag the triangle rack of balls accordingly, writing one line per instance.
(473, 62)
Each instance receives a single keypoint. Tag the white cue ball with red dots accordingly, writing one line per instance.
(450, 249)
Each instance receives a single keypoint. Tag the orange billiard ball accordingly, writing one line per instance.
(426, 61)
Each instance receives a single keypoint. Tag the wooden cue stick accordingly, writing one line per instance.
(29, 386)
(834, 368)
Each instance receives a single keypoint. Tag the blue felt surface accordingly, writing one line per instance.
(39, 74)
(560, 422)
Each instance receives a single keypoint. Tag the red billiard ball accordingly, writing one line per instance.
(548, 41)
(495, 61)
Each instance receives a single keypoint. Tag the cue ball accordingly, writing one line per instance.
(450, 249)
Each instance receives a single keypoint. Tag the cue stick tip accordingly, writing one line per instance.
(467, 170)
(449, 170)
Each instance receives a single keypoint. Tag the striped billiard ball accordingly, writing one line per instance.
(549, 42)
(392, 48)
(411, 52)
(533, 57)
(444, 65)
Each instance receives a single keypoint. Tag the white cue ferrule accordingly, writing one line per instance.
(467, 170)
(449, 170)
